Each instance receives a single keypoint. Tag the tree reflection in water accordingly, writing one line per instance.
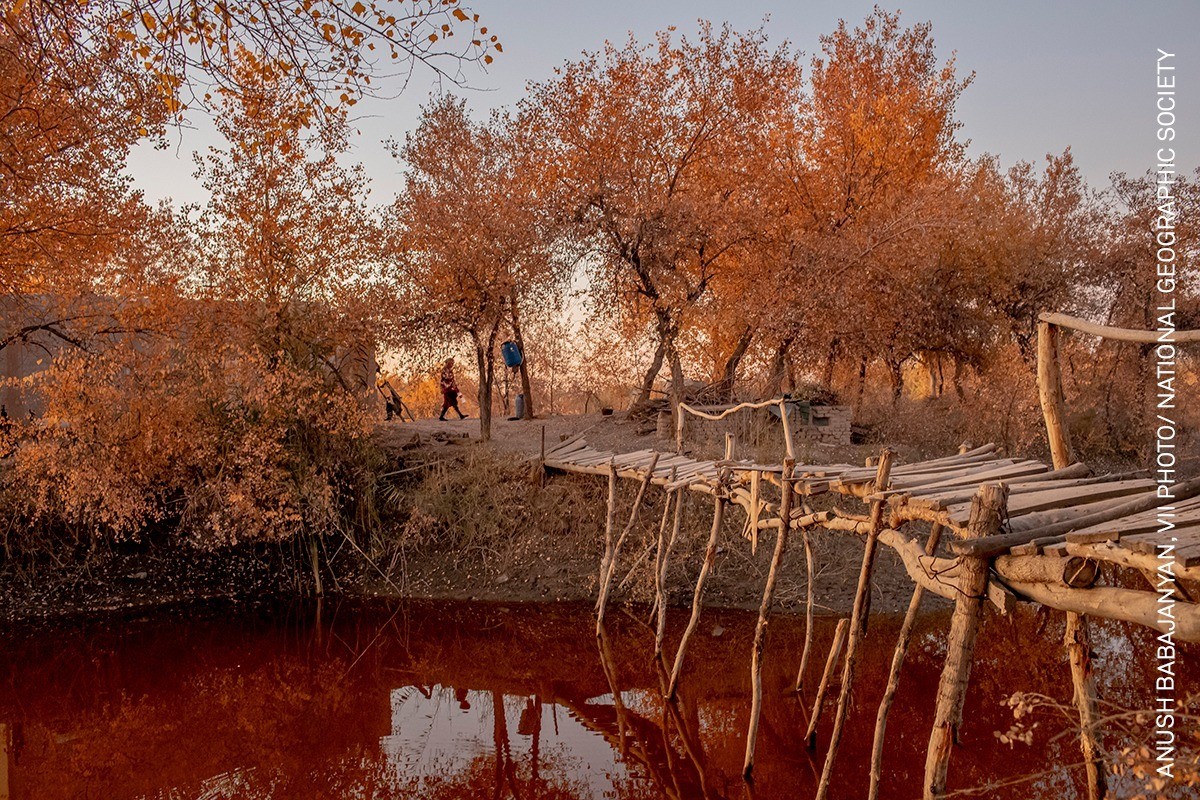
(457, 701)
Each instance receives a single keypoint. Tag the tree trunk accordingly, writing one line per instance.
(485, 363)
(651, 373)
(896, 375)
(729, 373)
(830, 363)
(519, 338)
(778, 368)
(862, 384)
(959, 390)
(676, 377)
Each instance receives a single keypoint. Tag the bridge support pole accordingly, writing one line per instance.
(710, 557)
(987, 514)
(760, 630)
(901, 652)
(858, 621)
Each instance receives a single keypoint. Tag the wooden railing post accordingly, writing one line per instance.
(1050, 393)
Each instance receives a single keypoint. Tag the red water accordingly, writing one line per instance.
(486, 701)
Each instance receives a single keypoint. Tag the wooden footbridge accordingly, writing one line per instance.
(977, 527)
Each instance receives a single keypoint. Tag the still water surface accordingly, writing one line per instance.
(449, 701)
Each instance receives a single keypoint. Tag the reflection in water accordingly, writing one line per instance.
(486, 701)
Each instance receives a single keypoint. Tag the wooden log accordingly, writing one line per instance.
(1079, 650)
(760, 630)
(858, 623)
(1116, 334)
(609, 540)
(940, 575)
(659, 546)
(1050, 394)
(1121, 556)
(755, 483)
(1109, 602)
(835, 649)
(898, 656)
(787, 430)
(986, 518)
(1072, 571)
(606, 583)
(710, 556)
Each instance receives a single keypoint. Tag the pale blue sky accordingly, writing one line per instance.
(1048, 74)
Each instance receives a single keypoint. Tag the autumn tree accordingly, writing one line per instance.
(328, 50)
(239, 409)
(860, 172)
(67, 210)
(471, 242)
(287, 234)
(651, 157)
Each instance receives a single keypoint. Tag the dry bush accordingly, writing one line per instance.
(212, 440)
(482, 504)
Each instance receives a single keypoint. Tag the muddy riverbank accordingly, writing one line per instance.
(463, 523)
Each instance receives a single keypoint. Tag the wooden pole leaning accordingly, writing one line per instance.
(609, 518)
(835, 650)
(987, 515)
(787, 429)
(1050, 394)
(858, 620)
(613, 549)
(662, 565)
(889, 694)
(809, 600)
(710, 557)
(764, 610)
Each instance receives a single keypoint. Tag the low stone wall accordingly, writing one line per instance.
(827, 425)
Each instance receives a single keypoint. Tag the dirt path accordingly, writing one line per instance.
(523, 436)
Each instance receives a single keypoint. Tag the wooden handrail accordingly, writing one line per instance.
(778, 401)
(1118, 334)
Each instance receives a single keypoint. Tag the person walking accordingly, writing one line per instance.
(449, 391)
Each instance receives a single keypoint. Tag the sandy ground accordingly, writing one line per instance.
(523, 437)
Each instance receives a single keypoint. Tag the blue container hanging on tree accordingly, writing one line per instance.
(511, 354)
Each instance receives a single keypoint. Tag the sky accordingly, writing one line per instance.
(1048, 75)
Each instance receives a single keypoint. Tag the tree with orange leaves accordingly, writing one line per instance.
(652, 155)
(861, 171)
(328, 50)
(470, 240)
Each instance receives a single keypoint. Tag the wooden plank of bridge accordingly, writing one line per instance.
(858, 622)
(986, 519)
(1055, 497)
(1069, 519)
